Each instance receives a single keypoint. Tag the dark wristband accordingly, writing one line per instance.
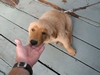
(25, 66)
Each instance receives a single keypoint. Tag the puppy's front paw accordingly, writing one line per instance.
(61, 44)
(56, 42)
(72, 52)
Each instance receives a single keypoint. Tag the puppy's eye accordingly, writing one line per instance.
(44, 33)
(33, 29)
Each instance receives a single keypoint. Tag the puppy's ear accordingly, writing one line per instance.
(55, 33)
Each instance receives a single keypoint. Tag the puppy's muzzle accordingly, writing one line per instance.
(33, 42)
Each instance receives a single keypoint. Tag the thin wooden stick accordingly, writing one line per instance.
(71, 12)
(12, 3)
(84, 7)
(51, 4)
(58, 8)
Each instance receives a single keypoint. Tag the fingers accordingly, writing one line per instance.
(40, 48)
(36, 47)
(29, 46)
(33, 47)
(18, 42)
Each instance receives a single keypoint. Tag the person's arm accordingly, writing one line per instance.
(27, 54)
(18, 71)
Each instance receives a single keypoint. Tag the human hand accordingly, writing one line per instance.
(29, 54)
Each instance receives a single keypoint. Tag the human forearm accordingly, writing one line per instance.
(26, 57)
(19, 71)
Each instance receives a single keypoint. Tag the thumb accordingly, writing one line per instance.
(18, 42)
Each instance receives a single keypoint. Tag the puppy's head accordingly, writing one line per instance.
(39, 34)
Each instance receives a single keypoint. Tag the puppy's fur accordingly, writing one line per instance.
(52, 26)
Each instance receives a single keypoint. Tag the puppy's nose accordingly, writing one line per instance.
(33, 42)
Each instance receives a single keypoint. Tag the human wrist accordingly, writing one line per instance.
(23, 65)
(21, 60)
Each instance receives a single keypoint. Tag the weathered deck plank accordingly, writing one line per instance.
(60, 62)
(33, 7)
(4, 68)
(65, 64)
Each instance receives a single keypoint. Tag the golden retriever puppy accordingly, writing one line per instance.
(53, 26)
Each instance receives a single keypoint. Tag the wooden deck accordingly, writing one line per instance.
(55, 60)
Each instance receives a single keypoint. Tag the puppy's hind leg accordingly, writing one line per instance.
(68, 46)
(68, 28)
(69, 34)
